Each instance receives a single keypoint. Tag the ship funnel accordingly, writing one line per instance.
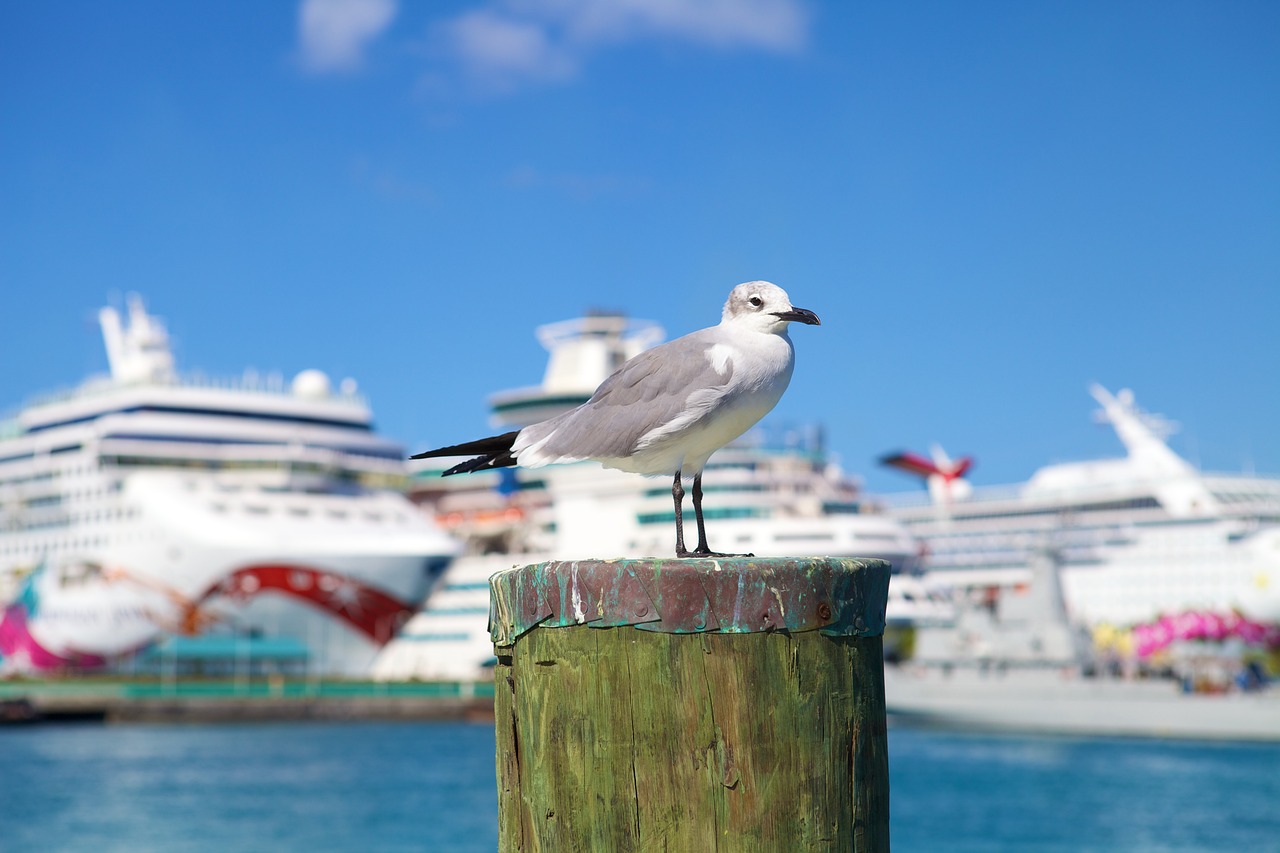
(943, 476)
(583, 353)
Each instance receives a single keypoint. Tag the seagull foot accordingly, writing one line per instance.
(707, 553)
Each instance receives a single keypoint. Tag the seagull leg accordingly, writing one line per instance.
(677, 495)
(704, 550)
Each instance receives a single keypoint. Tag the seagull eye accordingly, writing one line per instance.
(756, 301)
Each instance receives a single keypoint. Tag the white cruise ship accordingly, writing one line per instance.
(145, 505)
(778, 496)
(1140, 536)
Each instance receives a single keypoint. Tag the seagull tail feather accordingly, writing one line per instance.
(493, 452)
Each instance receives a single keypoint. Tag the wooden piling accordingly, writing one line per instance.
(691, 705)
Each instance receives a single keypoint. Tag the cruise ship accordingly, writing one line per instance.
(145, 506)
(1019, 664)
(1140, 536)
(774, 493)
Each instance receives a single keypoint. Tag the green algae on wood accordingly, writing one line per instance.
(839, 597)
(763, 729)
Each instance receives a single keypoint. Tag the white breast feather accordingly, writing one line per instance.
(721, 358)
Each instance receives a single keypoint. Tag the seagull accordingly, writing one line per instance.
(665, 411)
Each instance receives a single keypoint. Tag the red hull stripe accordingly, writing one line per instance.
(372, 612)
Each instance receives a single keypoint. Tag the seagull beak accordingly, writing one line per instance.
(799, 315)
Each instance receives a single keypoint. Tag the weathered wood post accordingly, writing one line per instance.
(699, 705)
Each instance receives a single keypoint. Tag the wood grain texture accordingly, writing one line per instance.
(623, 739)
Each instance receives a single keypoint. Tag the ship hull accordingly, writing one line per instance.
(343, 608)
(1038, 701)
(176, 567)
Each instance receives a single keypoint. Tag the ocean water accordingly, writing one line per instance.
(430, 787)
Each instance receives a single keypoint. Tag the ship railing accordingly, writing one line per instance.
(980, 494)
(1233, 489)
(270, 384)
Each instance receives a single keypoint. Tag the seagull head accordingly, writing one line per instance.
(764, 307)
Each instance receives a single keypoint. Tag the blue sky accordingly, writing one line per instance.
(989, 204)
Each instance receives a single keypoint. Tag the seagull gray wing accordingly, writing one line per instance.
(648, 392)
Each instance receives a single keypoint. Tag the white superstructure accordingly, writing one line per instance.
(778, 496)
(1143, 535)
(146, 503)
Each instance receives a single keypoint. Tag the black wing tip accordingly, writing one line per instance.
(481, 463)
(466, 467)
(491, 447)
(486, 453)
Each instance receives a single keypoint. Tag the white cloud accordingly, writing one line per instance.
(506, 42)
(777, 25)
(497, 49)
(333, 34)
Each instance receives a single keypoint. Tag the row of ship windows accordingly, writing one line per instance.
(30, 548)
(40, 477)
(51, 475)
(1014, 556)
(1171, 531)
(709, 514)
(51, 498)
(307, 512)
(55, 499)
(369, 479)
(1099, 532)
(345, 424)
(665, 491)
(38, 524)
(1106, 506)
(1142, 589)
(48, 497)
(48, 478)
(1261, 497)
(44, 520)
(39, 454)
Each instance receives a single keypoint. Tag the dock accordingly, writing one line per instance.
(24, 701)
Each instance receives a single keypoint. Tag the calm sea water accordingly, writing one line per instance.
(429, 786)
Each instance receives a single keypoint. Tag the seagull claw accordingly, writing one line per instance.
(707, 553)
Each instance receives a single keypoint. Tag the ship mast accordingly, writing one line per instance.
(1177, 484)
(138, 353)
